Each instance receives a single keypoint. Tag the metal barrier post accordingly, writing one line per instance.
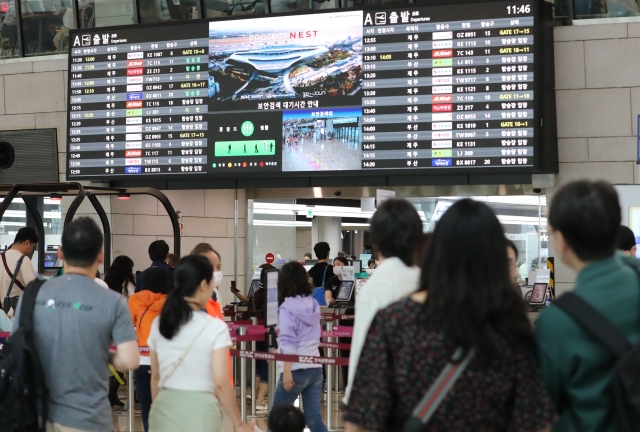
(329, 379)
(254, 321)
(273, 380)
(243, 377)
(130, 399)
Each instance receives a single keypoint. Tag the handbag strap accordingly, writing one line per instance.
(441, 387)
(14, 275)
(324, 275)
(178, 362)
(143, 314)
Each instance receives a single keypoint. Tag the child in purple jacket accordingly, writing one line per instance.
(299, 334)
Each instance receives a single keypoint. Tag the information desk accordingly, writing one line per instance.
(419, 89)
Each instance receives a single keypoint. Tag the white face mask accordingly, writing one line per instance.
(217, 279)
(337, 270)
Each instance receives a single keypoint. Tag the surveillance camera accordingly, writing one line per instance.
(537, 190)
(337, 193)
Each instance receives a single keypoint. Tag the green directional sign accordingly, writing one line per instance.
(245, 148)
(247, 128)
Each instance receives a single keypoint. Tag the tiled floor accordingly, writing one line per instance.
(121, 420)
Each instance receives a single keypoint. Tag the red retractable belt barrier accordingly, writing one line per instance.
(333, 334)
(339, 361)
(332, 317)
(332, 345)
(248, 338)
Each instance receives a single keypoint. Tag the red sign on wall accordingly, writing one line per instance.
(270, 258)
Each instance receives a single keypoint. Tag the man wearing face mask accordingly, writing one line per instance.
(332, 285)
(213, 306)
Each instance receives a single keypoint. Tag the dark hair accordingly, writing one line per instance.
(286, 418)
(308, 254)
(158, 250)
(120, 274)
(470, 294)
(513, 247)
(263, 274)
(322, 250)
(156, 280)
(342, 259)
(626, 238)
(421, 248)
(395, 230)
(189, 274)
(81, 242)
(587, 214)
(202, 248)
(26, 234)
(294, 280)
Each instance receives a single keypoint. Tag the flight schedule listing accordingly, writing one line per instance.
(453, 93)
(137, 106)
(435, 88)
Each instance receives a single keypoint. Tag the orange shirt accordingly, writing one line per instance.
(215, 310)
(144, 307)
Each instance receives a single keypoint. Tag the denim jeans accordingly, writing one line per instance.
(142, 378)
(308, 383)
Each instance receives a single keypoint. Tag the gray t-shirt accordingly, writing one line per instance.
(76, 321)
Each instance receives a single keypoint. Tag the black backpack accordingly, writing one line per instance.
(625, 380)
(23, 390)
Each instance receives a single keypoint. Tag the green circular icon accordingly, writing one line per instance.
(247, 128)
(214, 165)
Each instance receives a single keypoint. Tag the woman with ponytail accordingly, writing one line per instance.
(188, 350)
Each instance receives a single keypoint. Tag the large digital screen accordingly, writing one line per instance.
(406, 89)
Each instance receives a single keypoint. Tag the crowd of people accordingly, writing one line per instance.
(435, 303)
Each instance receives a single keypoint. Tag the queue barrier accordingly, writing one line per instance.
(251, 333)
(274, 357)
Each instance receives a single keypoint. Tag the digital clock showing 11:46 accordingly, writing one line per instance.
(516, 10)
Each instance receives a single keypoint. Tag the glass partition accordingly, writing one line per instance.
(152, 11)
(227, 8)
(9, 43)
(301, 5)
(45, 25)
(288, 228)
(103, 13)
(271, 230)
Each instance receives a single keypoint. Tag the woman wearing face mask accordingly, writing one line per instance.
(332, 285)
(213, 305)
(331, 288)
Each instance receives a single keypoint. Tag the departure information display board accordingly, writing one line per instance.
(450, 88)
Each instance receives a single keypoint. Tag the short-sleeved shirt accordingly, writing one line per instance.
(395, 373)
(332, 284)
(320, 273)
(195, 372)
(76, 320)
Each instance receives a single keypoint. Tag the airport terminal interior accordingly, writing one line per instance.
(265, 127)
